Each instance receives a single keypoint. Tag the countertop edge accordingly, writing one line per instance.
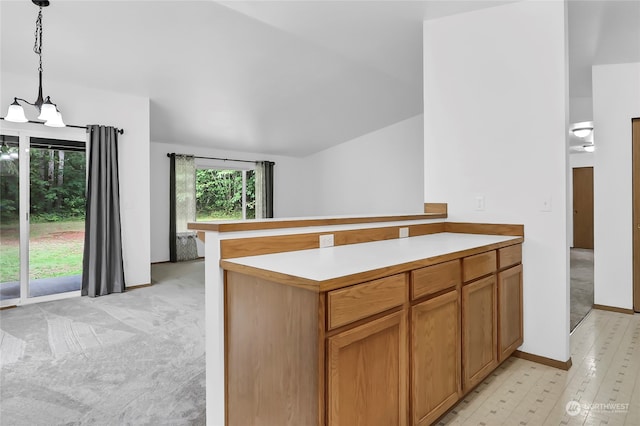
(351, 279)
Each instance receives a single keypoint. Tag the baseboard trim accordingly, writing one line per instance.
(8, 307)
(613, 309)
(135, 287)
(168, 261)
(562, 365)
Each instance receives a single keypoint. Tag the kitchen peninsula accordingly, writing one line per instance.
(392, 323)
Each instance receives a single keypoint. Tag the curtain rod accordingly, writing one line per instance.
(216, 158)
(121, 131)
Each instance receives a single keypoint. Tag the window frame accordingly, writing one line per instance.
(211, 164)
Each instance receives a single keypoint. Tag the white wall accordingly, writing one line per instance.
(581, 109)
(616, 99)
(380, 172)
(82, 106)
(289, 177)
(496, 117)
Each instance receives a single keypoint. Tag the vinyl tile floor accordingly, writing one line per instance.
(601, 388)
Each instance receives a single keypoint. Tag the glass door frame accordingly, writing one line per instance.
(25, 132)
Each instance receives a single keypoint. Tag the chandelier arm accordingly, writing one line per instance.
(25, 101)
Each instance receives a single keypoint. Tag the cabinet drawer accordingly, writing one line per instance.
(362, 300)
(509, 256)
(433, 279)
(478, 265)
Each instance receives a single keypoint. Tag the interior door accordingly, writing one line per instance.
(636, 213)
(583, 207)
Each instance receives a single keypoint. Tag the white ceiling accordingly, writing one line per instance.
(288, 77)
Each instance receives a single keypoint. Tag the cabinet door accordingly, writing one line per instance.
(435, 357)
(510, 335)
(367, 374)
(479, 331)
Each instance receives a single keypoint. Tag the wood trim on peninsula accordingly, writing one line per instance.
(438, 208)
(255, 225)
(485, 228)
(253, 246)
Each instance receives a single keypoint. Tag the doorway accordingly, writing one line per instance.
(581, 253)
(635, 124)
(42, 209)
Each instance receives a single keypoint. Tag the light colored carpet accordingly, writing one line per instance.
(581, 292)
(136, 358)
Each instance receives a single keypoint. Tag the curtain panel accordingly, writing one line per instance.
(102, 263)
(182, 192)
(264, 189)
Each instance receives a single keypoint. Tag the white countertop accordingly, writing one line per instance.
(339, 261)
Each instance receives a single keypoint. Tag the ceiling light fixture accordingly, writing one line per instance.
(589, 148)
(48, 110)
(582, 129)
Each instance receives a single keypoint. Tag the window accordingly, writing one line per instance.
(225, 194)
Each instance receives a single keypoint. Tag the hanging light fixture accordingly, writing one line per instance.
(48, 110)
(582, 129)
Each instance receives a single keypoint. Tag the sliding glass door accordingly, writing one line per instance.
(57, 209)
(42, 208)
(9, 217)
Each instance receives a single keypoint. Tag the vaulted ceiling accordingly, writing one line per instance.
(277, 77)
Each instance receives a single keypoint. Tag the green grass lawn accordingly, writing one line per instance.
(55, 250)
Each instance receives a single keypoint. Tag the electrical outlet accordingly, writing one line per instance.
(326, 240)
(404, 233)
(479, 203)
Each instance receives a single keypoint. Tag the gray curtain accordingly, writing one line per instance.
(102, 265)
(182, 192)
(264, 189)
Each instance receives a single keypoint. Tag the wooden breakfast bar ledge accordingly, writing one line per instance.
(392, 321)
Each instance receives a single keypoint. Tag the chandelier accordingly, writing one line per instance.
(48, 110)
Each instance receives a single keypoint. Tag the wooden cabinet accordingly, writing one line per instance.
(510, 311)
(435, 278)
(397, 350)
(435, 357)
(363, 300)
(479, 331)
(367, 374)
